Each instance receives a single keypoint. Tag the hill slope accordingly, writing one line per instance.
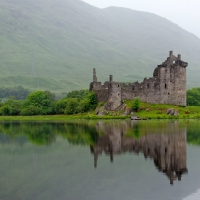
(54, 44)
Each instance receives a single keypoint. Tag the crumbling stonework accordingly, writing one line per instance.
(167, 86)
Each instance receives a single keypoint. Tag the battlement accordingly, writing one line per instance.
(167, 86)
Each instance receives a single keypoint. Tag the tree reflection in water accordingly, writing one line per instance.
(43, 133)
(164, 142)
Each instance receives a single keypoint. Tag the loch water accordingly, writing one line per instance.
(97, 159)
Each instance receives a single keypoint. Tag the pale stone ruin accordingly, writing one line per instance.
(167, 86)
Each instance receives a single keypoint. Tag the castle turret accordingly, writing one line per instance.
(171, 81)
(111, 78)
(94, 75)
(114, 95)
(170, 54)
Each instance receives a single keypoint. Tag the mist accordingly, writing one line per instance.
(184, 13)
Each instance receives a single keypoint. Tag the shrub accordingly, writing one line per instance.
(72, 106)
(31, 110)
(84, 105)
(187, 112)
(42, 101)
(59, 106)
(101, 104)
(136, 104)
(11, 107)
(5, 110)
(92, 100)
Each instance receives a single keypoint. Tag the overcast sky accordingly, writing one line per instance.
(185, 13)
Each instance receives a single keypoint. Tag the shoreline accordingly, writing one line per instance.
(94, 117)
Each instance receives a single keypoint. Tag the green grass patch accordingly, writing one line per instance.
(158, 111)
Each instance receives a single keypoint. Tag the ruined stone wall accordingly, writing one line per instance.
(167, 86)
(114, 95)
(102, 95)
(147, 91)
(127, 91)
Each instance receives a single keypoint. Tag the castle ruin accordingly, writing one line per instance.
(167, 86)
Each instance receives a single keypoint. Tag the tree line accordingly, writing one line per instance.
(44, 103)
(26, 103)
(19, 92)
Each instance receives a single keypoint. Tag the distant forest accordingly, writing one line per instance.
(19, 93)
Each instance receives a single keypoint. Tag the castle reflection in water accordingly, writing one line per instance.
(166, 147)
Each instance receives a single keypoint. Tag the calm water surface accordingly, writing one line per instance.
(98, 160)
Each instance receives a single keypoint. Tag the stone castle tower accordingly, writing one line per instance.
(167, 86)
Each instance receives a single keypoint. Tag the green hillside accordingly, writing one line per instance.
(54, 44)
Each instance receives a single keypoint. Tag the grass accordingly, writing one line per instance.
(158, 111)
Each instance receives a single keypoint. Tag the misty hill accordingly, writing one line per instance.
(55, 44)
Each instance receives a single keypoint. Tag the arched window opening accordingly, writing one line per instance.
(148, 85)
(133, 88)
(118, 85)
(118, 94)
(165, 86)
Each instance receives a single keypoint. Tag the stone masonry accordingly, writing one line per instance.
(167, 86)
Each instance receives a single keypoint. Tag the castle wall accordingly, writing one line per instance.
(102, 95)
(114, 96)
(167, 86)
(127, 94)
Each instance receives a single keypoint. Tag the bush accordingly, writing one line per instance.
(84, 105)
(42, 101)
(31, 110)
(11, 107)
(92, 100)
(136, 104)
(72, 106)
(193, 97)
(5, 110)
(187, 112)
(101, 104)
(59, 106)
